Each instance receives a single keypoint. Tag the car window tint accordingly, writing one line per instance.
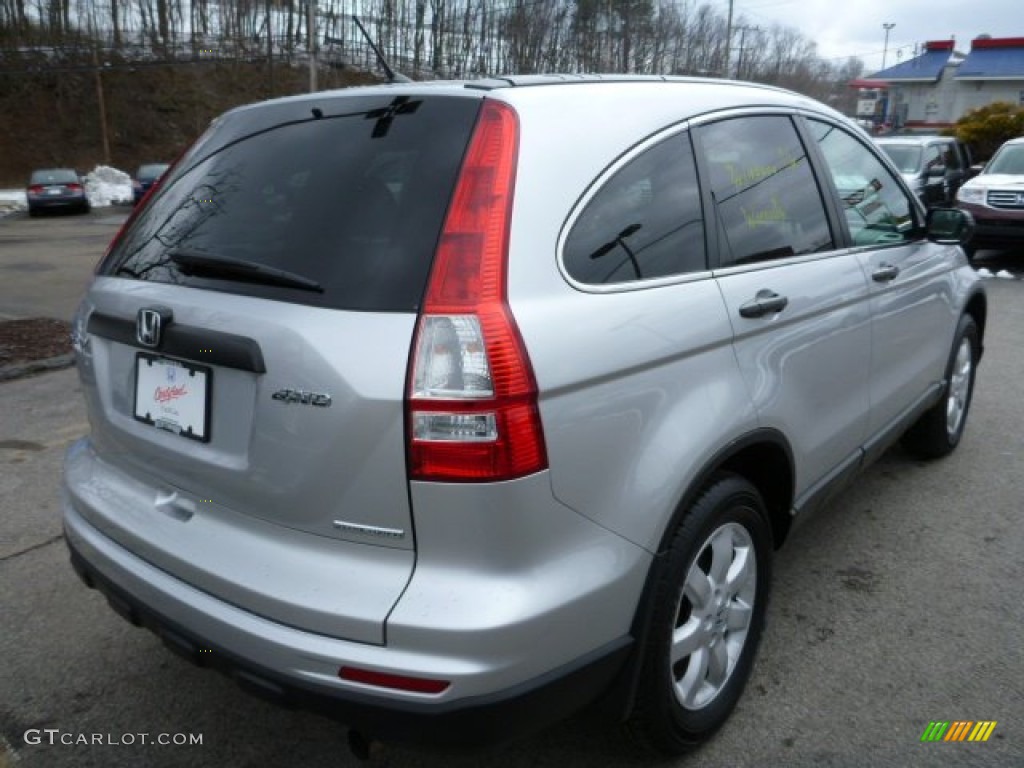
(150, 171)
(932, 158)
(950, 157)
(56, 176)
(1008, 159)
(645, 222)
(905, 157)
(766, 198)
(877, 209)
(353, 202)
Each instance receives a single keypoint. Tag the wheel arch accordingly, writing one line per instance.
(977, 307)
(763, 457)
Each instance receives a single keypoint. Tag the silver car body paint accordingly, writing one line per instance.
(294, 537)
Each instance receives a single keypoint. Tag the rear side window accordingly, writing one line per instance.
(645, 222)
(766, 198)
(345, 196)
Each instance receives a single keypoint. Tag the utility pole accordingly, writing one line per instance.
(102, 103)
(311, 40)
(270, 52)
(728, 40)
(743, 46)
(885, 49)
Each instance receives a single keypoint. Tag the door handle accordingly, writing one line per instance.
(885, 273)
(764, 302)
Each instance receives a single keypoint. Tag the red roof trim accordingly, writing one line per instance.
(864, 83)
(997, 42)
(939, 45)
(924, 124)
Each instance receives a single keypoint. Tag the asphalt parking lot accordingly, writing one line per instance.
(895, 606)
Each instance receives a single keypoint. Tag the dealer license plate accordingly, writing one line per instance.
(173, 396)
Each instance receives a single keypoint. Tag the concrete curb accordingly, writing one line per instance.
(20, 370)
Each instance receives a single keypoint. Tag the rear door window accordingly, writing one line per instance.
(347, 195)
(767, 201)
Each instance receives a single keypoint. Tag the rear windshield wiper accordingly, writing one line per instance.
(193, 262)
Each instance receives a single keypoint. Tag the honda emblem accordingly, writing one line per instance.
(149, 325)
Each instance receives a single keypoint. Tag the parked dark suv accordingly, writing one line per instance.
(452, 407)
(934, 166)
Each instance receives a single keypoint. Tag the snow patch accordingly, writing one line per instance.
(984, 272)
(1005, 274)
(108, 186)
(12, 200)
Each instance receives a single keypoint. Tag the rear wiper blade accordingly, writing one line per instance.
(251, 271)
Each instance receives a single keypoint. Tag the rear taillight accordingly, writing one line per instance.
(472, 397)
(74, 187)
(36, 189)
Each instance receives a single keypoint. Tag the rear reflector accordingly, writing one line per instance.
(397, 682)
(472, 397)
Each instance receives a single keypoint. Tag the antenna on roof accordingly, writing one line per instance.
(393, 77)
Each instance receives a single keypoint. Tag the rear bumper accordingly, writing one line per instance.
(523, 644)
(478, 720)
(38, 203)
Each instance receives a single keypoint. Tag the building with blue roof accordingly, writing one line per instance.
(934, 89)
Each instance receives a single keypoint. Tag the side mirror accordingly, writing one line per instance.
(949, 226)
(936, 172)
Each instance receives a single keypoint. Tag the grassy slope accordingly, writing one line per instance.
(153, 112)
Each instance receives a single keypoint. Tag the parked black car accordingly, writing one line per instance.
(934, 166)
(145, 177)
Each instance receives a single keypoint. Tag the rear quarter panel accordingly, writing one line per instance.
(638, 388)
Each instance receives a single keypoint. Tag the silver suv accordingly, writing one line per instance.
(452, 408)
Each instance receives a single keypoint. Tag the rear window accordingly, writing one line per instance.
(148, 172)
(906, 158)
(55, 176)
(349, 194)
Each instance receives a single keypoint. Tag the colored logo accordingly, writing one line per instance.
(166, 394)
(958, 730)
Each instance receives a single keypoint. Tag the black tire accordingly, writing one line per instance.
(933, 436)
(729, 506)
(33, 212)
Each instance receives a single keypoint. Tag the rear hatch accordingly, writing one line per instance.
(249, 333)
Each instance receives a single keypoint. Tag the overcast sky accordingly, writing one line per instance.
(854, 27)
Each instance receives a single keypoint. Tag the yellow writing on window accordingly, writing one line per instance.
(759, 218)
(745, 176)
